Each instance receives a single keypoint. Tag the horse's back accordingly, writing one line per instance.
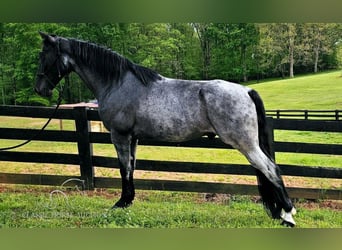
(190, 98)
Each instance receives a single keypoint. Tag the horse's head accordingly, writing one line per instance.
(53, 65)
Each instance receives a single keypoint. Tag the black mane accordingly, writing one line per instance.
(108, 63)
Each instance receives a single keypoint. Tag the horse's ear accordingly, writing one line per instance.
(47, 38)
(42, 34)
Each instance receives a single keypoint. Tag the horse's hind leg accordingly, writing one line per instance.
(271, 186)
(234, 117)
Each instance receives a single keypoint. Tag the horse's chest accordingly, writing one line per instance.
(120, 119)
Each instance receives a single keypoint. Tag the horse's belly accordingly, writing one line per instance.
(171, 136)
(172, 128)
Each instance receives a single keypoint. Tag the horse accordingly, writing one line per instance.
(136, 102)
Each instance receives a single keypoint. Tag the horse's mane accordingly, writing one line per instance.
(108, 63)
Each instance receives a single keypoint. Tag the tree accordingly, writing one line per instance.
(188, 57)
(291, 33)
(228, 50)
(202, 31)
(339, 55)
(320, 39)
(2, 61)
(18, 66)
(243, 38)
(282, 40)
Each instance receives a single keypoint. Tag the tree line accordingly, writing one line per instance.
(235, 52)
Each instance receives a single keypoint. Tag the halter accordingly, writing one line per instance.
(43, 74)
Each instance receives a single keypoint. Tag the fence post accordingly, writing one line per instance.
(306, 114)
(85, 148)
(270, 130)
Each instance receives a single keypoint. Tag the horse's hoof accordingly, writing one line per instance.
(121, 204)
(287, 217)
(287, 224)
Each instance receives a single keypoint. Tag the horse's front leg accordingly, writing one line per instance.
(125, 148)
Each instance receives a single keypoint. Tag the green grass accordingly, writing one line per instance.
(150, 210)
(320, 91)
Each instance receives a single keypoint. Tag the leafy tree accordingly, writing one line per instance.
(233, 50)
(20, 59)
(317, 40)
(203, 34)
(281, 40)
(339, 53)
(188, 58)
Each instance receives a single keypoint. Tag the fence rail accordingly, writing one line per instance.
(87, 160)
(306, 114)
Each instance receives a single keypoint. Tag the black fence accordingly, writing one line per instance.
(87, 160)
(306, 114)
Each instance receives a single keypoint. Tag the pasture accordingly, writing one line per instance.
(319, 91)
(26, 207)
(23, 206)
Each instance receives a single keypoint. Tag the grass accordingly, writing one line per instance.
(151, 209)
(320, 91)
(22, 208)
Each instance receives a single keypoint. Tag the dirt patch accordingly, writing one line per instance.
(328, 204)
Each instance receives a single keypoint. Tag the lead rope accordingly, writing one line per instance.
(60, 96)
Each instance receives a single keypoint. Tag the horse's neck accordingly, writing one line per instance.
(92, 79)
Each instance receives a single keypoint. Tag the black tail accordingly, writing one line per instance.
(268, 191)
(262, 126)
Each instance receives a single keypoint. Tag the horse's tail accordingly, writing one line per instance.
(266, 188)
(262, 128)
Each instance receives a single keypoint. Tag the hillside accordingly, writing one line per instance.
(320, 91)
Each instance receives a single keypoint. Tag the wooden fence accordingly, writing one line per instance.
(87, 160)
(306, 114)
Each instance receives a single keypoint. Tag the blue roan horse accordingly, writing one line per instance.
(136, 102)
